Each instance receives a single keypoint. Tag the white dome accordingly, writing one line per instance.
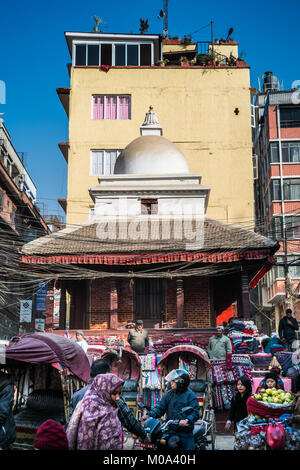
(151, 155)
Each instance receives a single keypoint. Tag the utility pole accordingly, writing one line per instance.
(212, 36)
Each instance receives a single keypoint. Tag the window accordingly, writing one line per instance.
(132, 54)
(275, 190)
(120, 58)
(293, 227)
(291, 189)
(118, 54)
(80, 57)
(106, 54)
(111, 107)
(149, 206)
(276, 231)
(274, 152)
(103, 162)
(93, 54)
(1, 201)
(145, 54)
(290, 152)
(290, 117)
(279, 268)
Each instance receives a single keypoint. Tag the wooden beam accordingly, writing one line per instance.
(180, 303)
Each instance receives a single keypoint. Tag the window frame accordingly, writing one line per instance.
(105, 152)
(113, 43)
(104, 106)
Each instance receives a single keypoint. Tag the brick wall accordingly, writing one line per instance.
(99, 303)
(196, 302)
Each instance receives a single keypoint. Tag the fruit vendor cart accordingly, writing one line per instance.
(46, 370)
(195, 361)
(267, 409)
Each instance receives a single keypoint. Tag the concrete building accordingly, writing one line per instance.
(276, 144)
(20, 222)
(202, 100)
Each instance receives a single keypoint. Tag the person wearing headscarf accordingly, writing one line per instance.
(51, 435)
(95, 424)
(238, 408)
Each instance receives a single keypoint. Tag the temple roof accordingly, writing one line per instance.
(147, 235)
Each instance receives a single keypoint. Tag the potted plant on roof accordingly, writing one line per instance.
(163, 62)
(184, 62)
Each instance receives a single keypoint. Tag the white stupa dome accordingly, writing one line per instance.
(151, 155)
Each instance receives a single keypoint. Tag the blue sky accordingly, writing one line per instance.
(34, 54)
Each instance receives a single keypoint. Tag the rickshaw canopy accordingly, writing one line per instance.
(199, 352)
(49, 348)
(126, 363)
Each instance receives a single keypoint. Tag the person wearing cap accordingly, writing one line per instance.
(81, 341)
(219, 345)
(138, 338)
(51, 436)
(287, 329)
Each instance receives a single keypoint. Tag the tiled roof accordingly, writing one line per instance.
(150, 234)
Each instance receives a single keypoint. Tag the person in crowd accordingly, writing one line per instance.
(7, 422)
(81, 341)
(270, 380)
(178, 397)
(138, 338)
(95, 424)
(287, 328)
(296, 402)
(272, 345)
(125, 415)
(219, 345)
(51, 435)
(100, 366)
(238, 407)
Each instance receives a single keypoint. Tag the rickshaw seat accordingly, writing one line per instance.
(41, 405)
(198, 386)
(130, 386)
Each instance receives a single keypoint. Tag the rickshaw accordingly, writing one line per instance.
(46, 369)
(126, 364)
(195, 360)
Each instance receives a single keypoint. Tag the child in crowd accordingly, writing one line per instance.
(271, 380)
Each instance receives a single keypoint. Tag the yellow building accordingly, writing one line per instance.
(203, 109)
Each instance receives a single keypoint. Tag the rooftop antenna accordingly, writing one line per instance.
(164, 14)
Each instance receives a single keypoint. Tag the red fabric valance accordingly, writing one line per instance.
(148, 258)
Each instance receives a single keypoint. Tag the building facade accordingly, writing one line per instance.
(276, 143)
(202, 101)
(20, 222)
(148, 251)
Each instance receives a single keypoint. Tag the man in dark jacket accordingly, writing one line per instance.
(7, 422)
(287, 327)
(138, 338)
(125, 415)
(180, 396)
